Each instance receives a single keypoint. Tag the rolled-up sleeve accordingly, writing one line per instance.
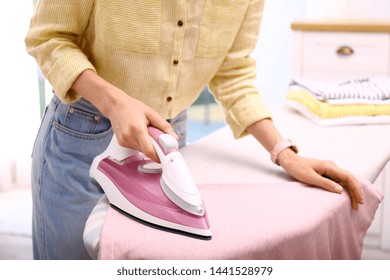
(233, 84)
(55, 38)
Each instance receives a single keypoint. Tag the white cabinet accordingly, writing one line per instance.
(344, 50)
(334, 51)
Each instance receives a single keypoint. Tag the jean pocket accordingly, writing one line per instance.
(80, 121)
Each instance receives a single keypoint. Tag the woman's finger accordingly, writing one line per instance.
(157, 121)
(329, 176)
(347, 180)
(313, 178)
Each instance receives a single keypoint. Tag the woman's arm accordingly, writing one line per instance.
(321, 173)
(233, 86)
(54, 40)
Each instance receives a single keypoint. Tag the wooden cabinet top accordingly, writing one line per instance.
(342, 26)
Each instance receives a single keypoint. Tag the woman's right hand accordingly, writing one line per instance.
(129, 117)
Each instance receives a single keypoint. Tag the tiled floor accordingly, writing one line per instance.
(15, 205)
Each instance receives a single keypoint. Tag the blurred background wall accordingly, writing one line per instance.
(19, 98)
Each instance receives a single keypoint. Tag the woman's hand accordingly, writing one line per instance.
(129, 117)
(323, 174)
(319, 173)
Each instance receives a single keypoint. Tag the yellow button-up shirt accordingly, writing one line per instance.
(162, 52)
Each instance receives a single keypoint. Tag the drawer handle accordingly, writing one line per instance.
(345, 51)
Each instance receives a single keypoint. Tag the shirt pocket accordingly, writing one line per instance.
(130, 25)
(219, 25)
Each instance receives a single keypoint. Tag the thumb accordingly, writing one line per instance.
(146, 146)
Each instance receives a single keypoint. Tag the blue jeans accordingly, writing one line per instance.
(69, 138)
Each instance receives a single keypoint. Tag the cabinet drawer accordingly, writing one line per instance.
(345, 52)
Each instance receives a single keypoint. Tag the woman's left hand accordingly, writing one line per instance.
(321, 173)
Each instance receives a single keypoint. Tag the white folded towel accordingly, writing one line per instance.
(366, 90)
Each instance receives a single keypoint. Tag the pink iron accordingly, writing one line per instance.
(160, 195)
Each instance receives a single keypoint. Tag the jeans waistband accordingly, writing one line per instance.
(81, 103)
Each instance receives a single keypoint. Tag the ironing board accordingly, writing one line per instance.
(256, 210)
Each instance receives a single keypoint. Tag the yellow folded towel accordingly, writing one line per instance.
(326, 111)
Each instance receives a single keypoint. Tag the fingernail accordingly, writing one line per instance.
(338, 188)
(175, 135)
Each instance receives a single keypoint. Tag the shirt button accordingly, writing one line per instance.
(180, 23)
(169, 98)
(176, 62)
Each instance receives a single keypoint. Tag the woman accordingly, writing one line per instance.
(119, 66)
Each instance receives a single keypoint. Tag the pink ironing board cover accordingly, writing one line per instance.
(254, 221)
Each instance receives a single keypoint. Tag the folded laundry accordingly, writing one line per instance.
(347, 120)
(325, 110)
(374, 90)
